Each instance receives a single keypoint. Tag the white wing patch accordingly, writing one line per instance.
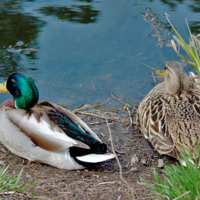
(44, 128)
(42, 133)
(95, 158)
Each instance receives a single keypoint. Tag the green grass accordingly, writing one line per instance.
(11, 183)
(180, 182)
(192, 48)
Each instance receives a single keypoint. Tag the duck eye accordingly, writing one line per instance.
(17, 92)
(12, 81)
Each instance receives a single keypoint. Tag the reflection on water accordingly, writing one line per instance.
(16, 27)
(90, 48)
(77, 13)
(195, 27)
(193, 4)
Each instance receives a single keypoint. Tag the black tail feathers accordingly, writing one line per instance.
(97, 148)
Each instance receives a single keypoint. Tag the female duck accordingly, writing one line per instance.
(46, 132)
(169, 115)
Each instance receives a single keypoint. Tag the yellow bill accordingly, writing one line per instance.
(3, 88)
(160, 72)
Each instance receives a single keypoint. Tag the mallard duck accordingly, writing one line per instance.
(46, 132)
(169, 115)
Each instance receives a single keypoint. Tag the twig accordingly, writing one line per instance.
(131, 121)
(153, 77)
(149, 67)
(120, 167)
(119, 197)
(182, 195)
(112, 113)
(93, 85)
(87, 106)
(94, 123)
(91, 114)
(194, 77)
(120, 152)
(102, 183)
(120, 100)
(11, 192)
(4, 155)
(102, 134)
(141, 94)
(127, 106)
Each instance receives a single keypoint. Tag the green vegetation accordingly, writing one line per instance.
(10, 183)
(180, 182)
(192, 49)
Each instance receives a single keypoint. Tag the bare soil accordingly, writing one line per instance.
(101, 181)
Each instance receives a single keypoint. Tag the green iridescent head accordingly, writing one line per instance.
(23, 90)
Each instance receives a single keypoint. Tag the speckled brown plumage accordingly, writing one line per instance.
(169, 114)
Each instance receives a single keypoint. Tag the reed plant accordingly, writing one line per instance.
(192, 48)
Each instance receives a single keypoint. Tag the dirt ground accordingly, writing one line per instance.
(101, 181)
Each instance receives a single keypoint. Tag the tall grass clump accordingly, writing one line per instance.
(180, 182)
(11, 183)
(192, 48)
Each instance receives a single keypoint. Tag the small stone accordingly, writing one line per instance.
(133, 169)
(134, 160)
(2, 163)
(143, 161)
(160, 163)
(27, 176)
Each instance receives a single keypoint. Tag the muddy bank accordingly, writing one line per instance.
(100, 181)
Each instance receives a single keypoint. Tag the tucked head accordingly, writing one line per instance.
(23, 90)
(176, 79)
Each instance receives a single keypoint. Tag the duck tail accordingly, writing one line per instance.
(97, 153)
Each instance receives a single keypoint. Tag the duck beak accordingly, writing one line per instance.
(3, 88)
(161, 72)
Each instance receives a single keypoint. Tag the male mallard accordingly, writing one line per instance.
(46, 132)
(169, 115)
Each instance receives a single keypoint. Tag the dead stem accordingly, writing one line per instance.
(194, 77)
(127, 106)
(149, 67)
(93, 85)
(141, 94)
(182, 195)
(11, 192)
(120, 167)
(91, 114)
(129, 114)
(87, 106)
(95, 123)
(4, 155)
(153, 77)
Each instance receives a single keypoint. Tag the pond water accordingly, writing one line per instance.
(88, 48)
